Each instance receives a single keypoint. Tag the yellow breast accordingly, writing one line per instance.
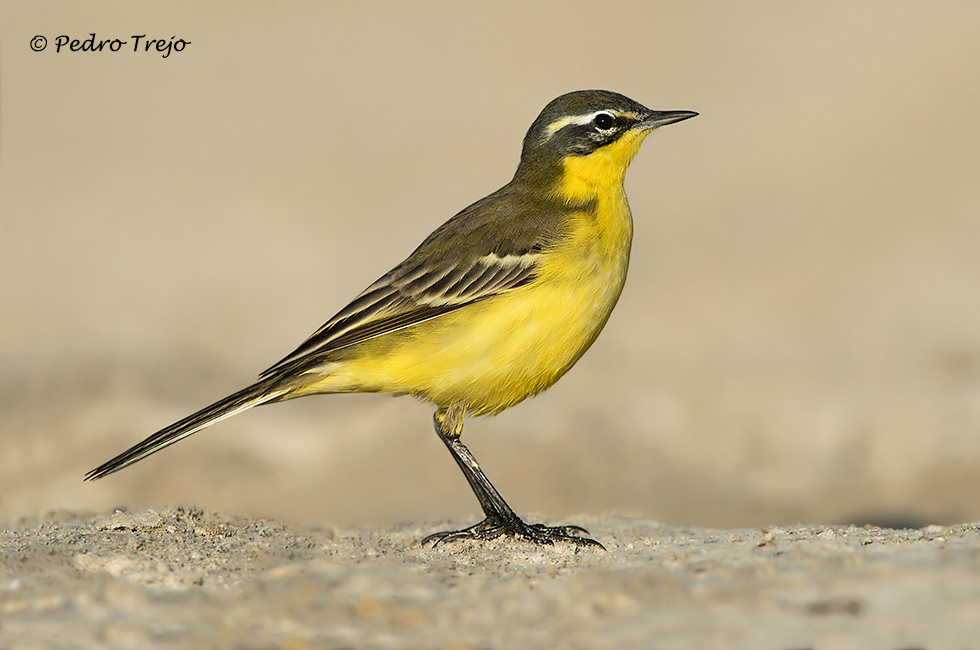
(492, 354)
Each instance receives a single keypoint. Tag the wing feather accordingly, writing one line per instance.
(488, 249)
(392, 303)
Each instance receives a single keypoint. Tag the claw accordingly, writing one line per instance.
(493, 527)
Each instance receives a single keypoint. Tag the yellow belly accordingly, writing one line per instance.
(493, 354)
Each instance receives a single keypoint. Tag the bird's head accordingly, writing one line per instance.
(588, 138)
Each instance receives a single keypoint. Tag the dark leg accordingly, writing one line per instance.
(500, 519)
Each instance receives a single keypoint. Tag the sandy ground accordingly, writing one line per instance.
(797, 345)
(184, 577)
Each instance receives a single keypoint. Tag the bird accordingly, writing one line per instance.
(492, 308)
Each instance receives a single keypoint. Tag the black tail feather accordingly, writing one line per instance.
(246, 398)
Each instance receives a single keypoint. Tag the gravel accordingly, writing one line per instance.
(183, 577)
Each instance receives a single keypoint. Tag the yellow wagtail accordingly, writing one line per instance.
(494, 306)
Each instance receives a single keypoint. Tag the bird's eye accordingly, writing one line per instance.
(603, 121)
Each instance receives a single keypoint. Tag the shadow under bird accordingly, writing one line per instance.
(493, 307)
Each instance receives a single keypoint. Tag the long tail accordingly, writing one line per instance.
(259, 393)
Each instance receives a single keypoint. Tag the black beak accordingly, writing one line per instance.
(657, 119)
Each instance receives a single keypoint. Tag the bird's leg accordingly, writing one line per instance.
(500, 518)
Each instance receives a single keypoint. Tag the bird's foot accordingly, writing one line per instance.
(495, 526)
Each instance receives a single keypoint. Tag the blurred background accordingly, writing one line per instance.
(798, 341)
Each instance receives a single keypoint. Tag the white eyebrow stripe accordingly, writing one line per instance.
(569, 120)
